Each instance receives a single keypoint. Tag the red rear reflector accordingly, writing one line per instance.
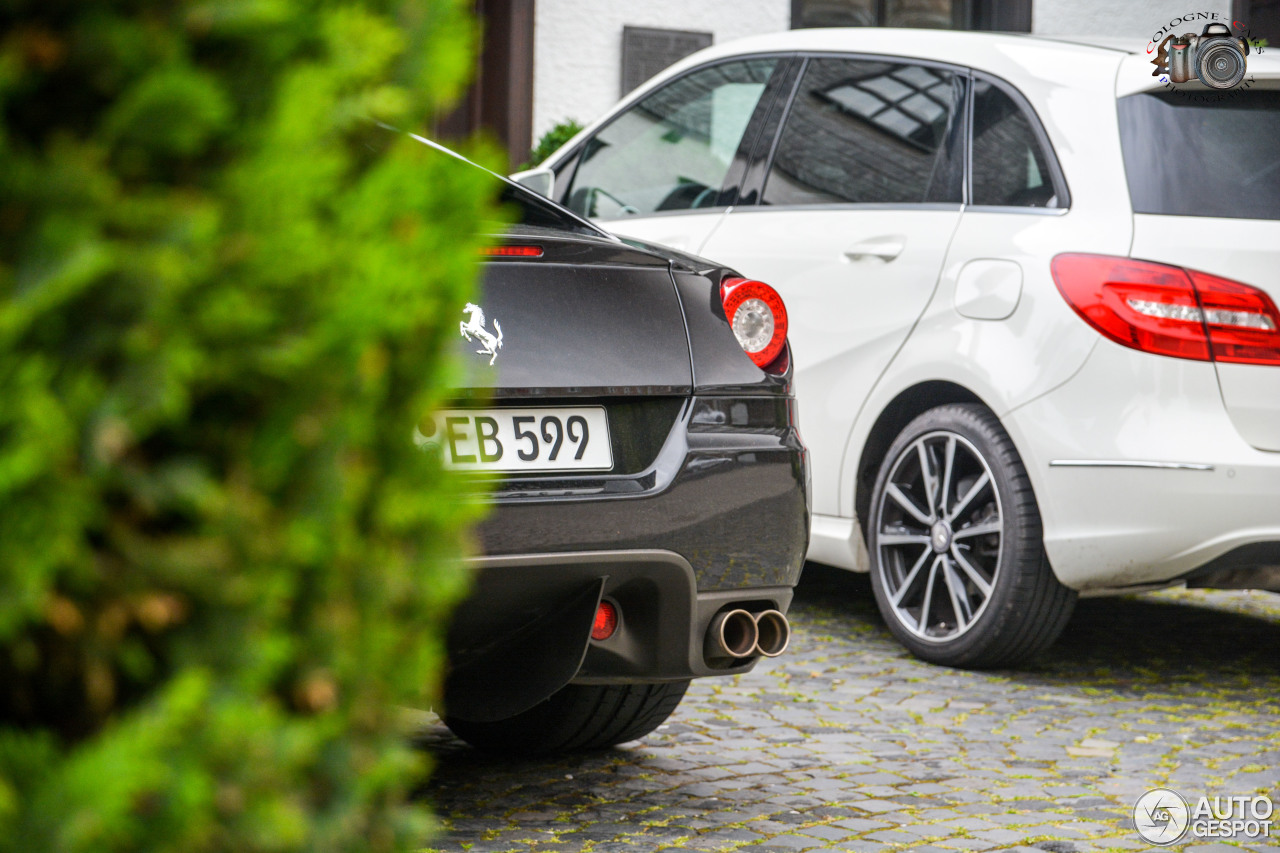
(757, 316)
(1170, 311)
(512, 251)
(606, 621)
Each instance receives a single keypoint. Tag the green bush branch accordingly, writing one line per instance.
(223, 302)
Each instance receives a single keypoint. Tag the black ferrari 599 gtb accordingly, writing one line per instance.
(651, 509)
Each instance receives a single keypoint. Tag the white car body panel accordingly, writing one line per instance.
(838, 543)
(1117, 525)
(1141, 470)
(988, 289)
(687, 232)
(849, 310)
(1248, 251)
(1005, 363)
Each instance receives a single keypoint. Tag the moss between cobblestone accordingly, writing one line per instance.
(990, 747)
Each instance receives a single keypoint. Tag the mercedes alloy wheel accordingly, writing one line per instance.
(958, 562)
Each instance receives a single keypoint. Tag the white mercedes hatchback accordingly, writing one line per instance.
(1031, 294)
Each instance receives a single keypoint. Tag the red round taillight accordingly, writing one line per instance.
(606, 621)
(757, 316)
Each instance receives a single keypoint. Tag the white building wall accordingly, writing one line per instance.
(577, 48)
(577, 45)
(1137, 19)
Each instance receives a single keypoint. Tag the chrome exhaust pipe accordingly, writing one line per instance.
(731, 635)
(773, 633)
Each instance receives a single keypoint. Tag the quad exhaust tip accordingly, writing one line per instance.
(737, 634)
(732, 635)
(773, 633)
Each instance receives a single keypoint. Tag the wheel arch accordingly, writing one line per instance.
(900, 411)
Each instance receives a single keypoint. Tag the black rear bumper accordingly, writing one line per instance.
(728, 490)
(525, 631)
(719, 520)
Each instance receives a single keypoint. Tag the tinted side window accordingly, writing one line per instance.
(1010, 168)
(670, 151)
(868, 132)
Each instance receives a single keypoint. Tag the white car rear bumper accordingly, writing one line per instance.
(1140, 474)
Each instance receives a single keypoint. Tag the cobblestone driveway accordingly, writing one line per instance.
(846, 743)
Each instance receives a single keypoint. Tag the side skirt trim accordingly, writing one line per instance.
(1129, 463)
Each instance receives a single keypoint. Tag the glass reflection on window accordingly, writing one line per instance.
(906, 101)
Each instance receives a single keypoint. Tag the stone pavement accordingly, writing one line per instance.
(846, 743)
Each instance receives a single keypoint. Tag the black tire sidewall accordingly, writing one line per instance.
(578, 717)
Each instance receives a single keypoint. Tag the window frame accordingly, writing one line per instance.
(969, 15)
(731, 186)
(1059, 180)
(762, 160)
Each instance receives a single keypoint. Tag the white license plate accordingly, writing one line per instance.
(520, 439)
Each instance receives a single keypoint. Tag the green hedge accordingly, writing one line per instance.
(223, 567)
(551, 141)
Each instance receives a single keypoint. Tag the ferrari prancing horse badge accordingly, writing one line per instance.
(473, 329)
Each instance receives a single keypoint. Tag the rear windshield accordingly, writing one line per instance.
(1203, 159)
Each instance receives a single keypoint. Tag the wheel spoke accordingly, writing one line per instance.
(948, 462)
(910, 578)
(930, 477)
(922, 624)
(939, 490)
(963, 503)
(981, 529)
(959, 600)
(969, 569)
(906, 503)
(903, 539)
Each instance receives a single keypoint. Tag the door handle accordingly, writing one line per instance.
(885, 248)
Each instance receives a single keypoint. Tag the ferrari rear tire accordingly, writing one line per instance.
(577, 718)
(957, 548)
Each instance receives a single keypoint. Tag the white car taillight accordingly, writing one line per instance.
(1170, 311)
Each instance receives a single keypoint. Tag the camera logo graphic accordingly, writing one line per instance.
(1215, 57)
(1161, 816)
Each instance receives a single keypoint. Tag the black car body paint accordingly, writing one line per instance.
(705, 507)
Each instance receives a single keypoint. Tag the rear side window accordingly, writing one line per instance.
(1010, 167)
(673, 149)
(867, 132)
(1218, 159)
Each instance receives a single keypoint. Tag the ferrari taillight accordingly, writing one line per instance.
(757, 316)
(1171, 311)
(512, 250)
